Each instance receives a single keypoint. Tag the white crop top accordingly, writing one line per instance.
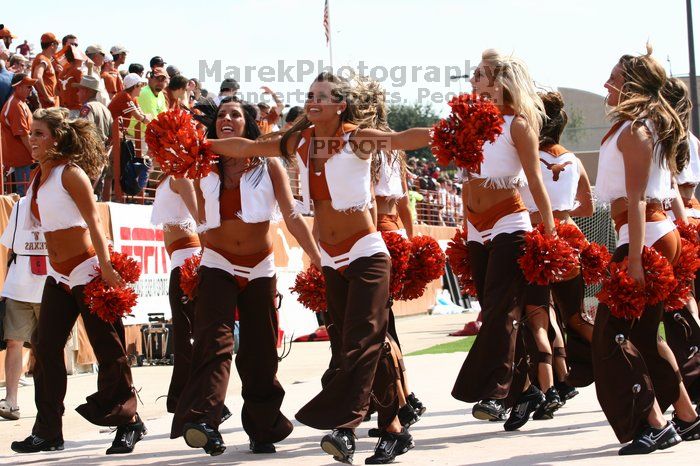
(348, 177)
(57, 208)
(560, 175)
(610, 182)
(258, 201)
(691, 172)
(501, 168)
(169, 209)
(390, 182)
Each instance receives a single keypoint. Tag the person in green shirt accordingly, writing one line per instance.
(413, 198)
(152, 98)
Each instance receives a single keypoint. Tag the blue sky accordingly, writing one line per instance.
(566, 43)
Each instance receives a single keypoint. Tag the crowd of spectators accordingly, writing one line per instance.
(97, 83)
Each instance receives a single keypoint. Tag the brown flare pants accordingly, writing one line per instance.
(202, 398)
(183, 326)
(357, 316)
(114, 403)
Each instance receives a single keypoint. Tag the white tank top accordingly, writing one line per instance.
(610, 182)
(691, 172)
(169, 209)
(57, 208)
(258, 201)
(560, 175)
(501, 167)
(390, 182)
(348, 177)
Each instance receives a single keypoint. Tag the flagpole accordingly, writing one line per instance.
(330, 36)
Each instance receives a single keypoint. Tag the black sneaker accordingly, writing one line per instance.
(651, 440)
(489, 410)
(204, 436)
(389, 446)
(552, 402)
(127, 437)
(566, 391)
(35, 444)
(340, 444)
(260, 447)
(225, 414)
(408, 415)
(687, 430)
(418, 406)
(527, 403)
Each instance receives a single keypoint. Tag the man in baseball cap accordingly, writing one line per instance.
(43, 70)
(6, 40)
(157, 62)
(16, 123)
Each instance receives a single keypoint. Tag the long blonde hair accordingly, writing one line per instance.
(519, 90)
(76, 141)
(641, 98)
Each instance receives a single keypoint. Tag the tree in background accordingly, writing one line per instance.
(402, 117)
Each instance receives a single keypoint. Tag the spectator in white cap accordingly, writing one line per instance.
(118, 53)
(97, 58)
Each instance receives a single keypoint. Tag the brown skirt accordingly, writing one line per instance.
(629, 371)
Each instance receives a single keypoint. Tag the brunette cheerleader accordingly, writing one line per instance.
(496, 366)
(636, 374)
(682, 325)
(333, 157)
(237, 203)
(62, 204)
(569, 193)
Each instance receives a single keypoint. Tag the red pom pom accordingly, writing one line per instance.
(189, 276)
(569, 233)
(427, 263)
(546, 259)
(458, 254)
(688, 232)
(684, 271)
(625, 297)
(400, 252)
(179, 147)
(311, 288)
(594, 263)
(461, 136)
(111, 304)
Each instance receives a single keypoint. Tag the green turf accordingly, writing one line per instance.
(461, 345)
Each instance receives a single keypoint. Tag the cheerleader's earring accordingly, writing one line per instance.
(338, 112)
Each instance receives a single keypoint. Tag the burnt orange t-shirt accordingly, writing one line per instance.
(123, 105)
(113, 82)
(69, 93)
(16, 121)
(50, 81)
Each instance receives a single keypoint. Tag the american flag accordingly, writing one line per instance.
(327, 23)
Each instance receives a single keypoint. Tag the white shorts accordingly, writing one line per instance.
(82, 274)
(179, 256)
(653, 231)
(517, 221)
(264, 269)
(367, 246)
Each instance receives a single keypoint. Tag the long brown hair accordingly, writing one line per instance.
(641, 99)
(676, 94)
(557, 118)
(343, 91)
(77, 141)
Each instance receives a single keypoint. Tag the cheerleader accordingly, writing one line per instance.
(637, 377)
(236, 204)
(393, 212)
(569, 192)
(63, 206)
(682, 325)
(497, 219)
(333, 157)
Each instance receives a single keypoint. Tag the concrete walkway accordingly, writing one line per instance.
(447, 434)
